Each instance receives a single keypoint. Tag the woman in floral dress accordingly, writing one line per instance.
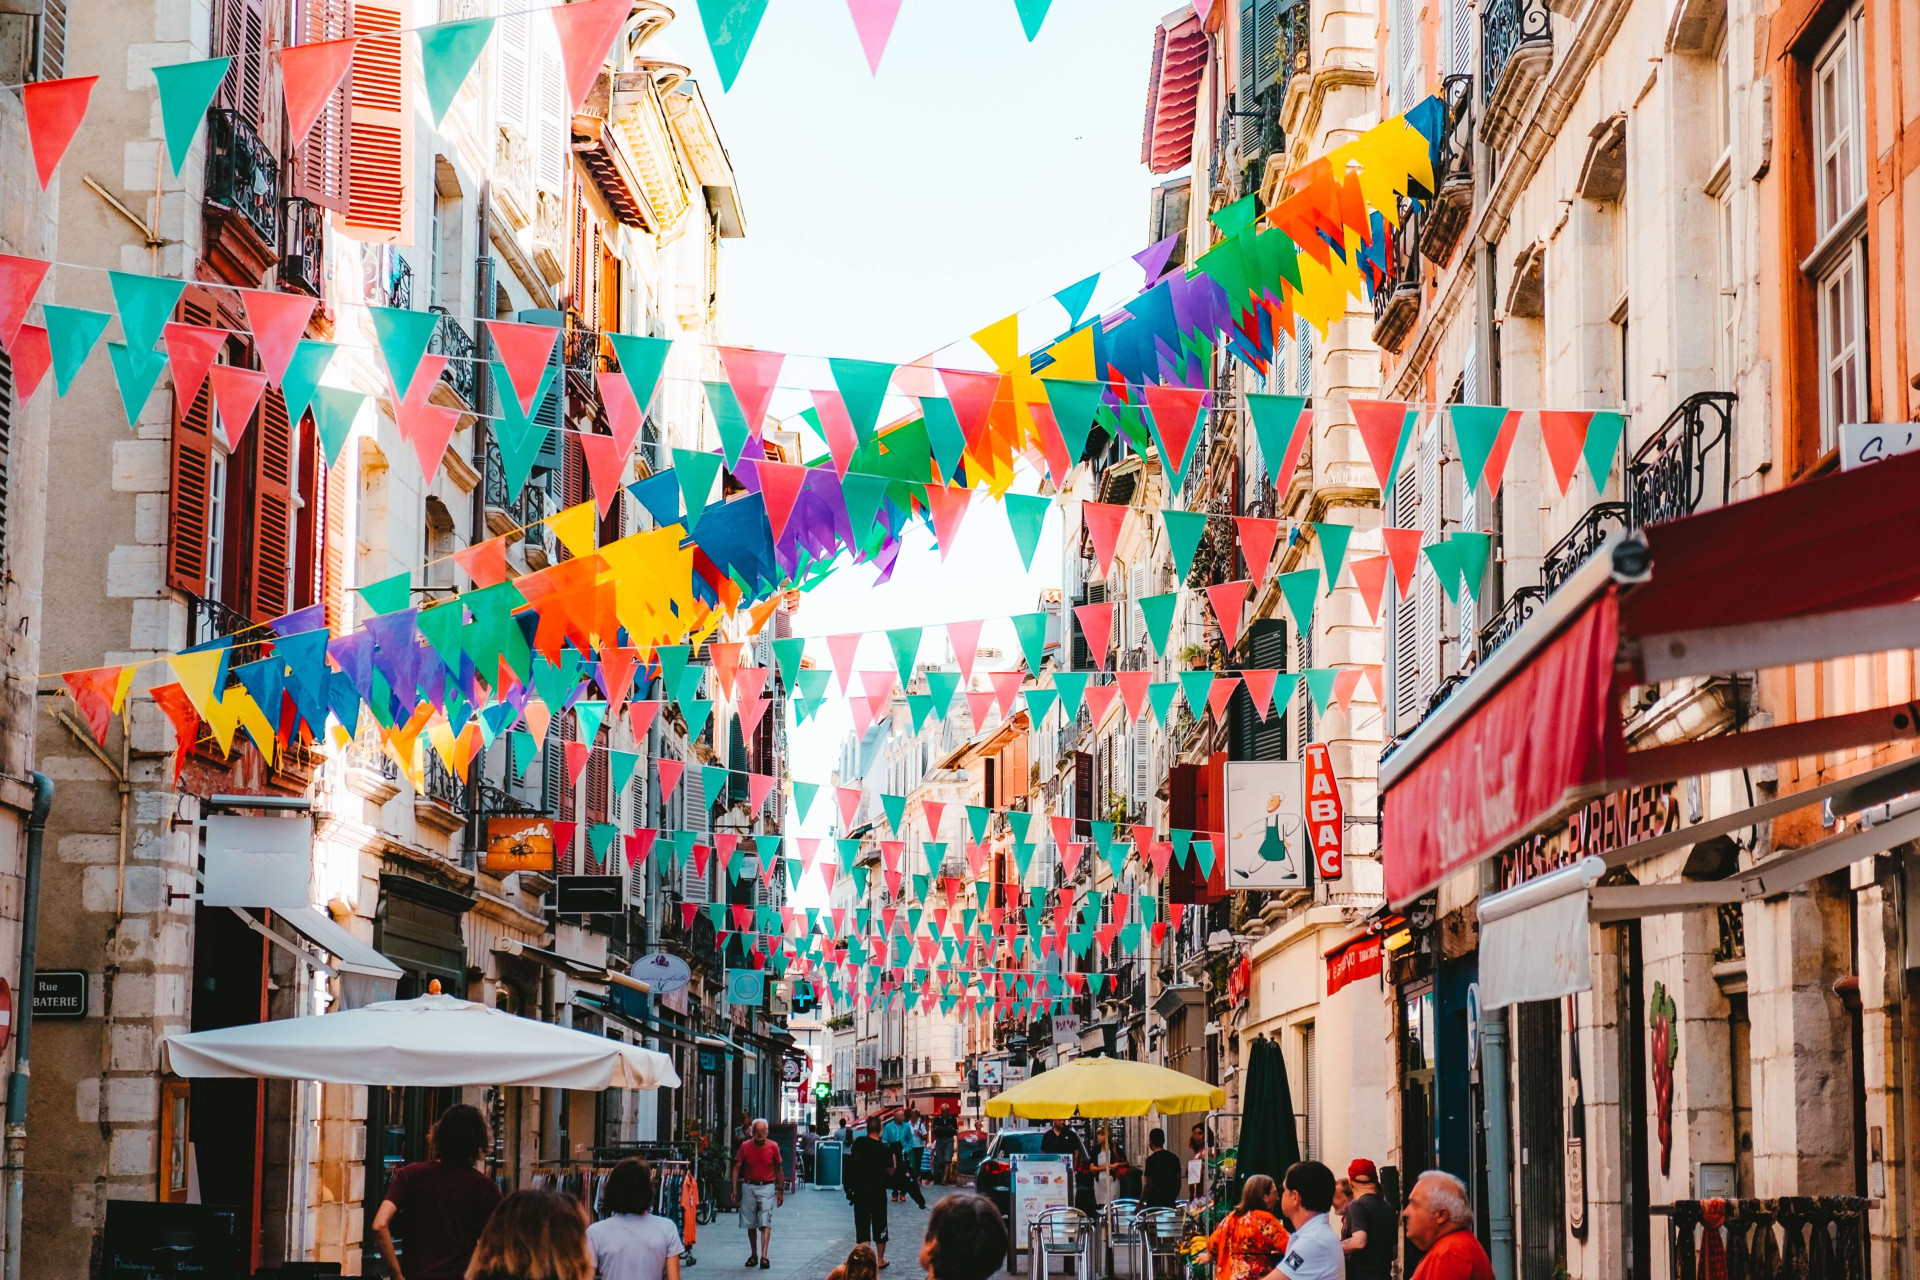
(1251, 1241)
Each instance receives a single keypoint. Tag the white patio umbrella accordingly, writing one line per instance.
(433, 1040)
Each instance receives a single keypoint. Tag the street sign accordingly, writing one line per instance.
(790, 1070)
(1326, 817)
(60, 993)
(590, 895)
(822, 1089)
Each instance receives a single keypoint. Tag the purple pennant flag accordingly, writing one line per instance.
(1153, 259)
(396, 636)
(430, 676)
(354, 656)
(311, 618)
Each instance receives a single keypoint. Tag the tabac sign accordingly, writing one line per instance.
(1326, 818)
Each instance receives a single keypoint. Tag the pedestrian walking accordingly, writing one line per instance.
(1313, 1251)
(861, 1264)
(1059, 1140)
(1162, 1176)
(966, 1239)
(1366, 1227)
(946, 1129)
(809, 1143)
(757, 1163)
(534, 1235)
(1103, 1164)
(898, 1134)
(1249, 1241)
(440, 1205)
(917, 1145)
(633, 1242)
(867, 1175)
(1439, 1220)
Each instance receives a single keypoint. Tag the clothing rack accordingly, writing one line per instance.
(676, 1184)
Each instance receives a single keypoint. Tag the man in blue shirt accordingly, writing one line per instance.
(899, 1136)
(1313, 1251)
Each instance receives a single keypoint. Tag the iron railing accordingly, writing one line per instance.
(399, 283)
(1401, 284)
(302, 226)
(242, 174)
(441, 784)
(1577, 544)
(451, 339)
(1456, 144)
(1501, 626)
(1506, 26)
(1296, 40)
(1803, 1237)
(1672, 473)
(365, 752)
(581, 345)
(209, 620)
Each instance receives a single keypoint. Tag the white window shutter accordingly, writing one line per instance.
(1431, 595)
(512, 49)
(550, 147)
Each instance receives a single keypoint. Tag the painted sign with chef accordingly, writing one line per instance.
(1267, 839)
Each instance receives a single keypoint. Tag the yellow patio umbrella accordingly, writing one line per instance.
(1106, 1087)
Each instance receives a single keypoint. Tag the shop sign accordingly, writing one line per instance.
(60, 993)
(590, 895)
(664, 973)
(990, 1072)
(1066, 1028)
(519, 844)
(256, 862)
(865, 1079)
(1611, 822)
(1016, 1072)
(1326, 817)
(791, 1071)
(1266, 825)
(1240, 981)
(710, 1061)
(1352, 960)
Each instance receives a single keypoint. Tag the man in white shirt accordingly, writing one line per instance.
(1313, 1251)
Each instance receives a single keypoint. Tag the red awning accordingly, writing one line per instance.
(1818, 570)
(1173, 92)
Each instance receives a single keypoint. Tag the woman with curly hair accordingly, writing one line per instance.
(534, 1235)
(1250, 1241)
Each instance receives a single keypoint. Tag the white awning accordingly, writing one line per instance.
(1534, 938)
(350, 955)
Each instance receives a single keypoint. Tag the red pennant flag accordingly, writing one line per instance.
(309, 73)
(93, 692)
(639, 845)
(617, 666)
(1159, 853)
(1096, 624)
(849, 798)
(840, 652)
(873, 21)
(19, 280)
(433, 427)
(836, 424)
(1564, 432)
(1344, 683)
(1098, 698)
(1133, 691)
(670, 771)
(1175, 410)
(606, 466)
(1070, 856)
(410, 408)
(1217, 696)
(1403, 551)
(972, 395)
(54, 109)
(780, 485)
(1260, 688)
(948, 506)
(624, 415)
(932, 811)
(965, 639)
(1502, 446)
(577, 753)
(178, 708)
(563, 842)
(1103, 527)
(641, 713)
(1229, 601)
(32, 354)
(752, 374)
(1381, 423)
(1257, 537)
(751, 712)
(1006, 687)
(700, 855)
(978, 705)
(586, 31)
(484, 562)
(236, 394)
(526, 350)
(191, 349)
(277, 321)
(1291, 459)
(1062, 830)
(1053, 445)
(877, 685)
(1376, 676)
(1370, 575)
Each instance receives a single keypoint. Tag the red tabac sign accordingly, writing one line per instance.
(1326, 818)
(1352, 960)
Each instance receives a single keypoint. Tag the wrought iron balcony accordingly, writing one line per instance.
(1396, 299)
(209, 620)
(1516, 45)
(302, 225)
(1672, 473)
(451, 339)
(1452, 202)
(1501, 626)
(581, 346)
(441, 783)
(242, 173)
(1580, 542)
(1815, 1237)
(1296, 40)
(398, 288)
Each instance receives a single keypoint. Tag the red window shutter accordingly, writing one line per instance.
(598, 780)
(189, 476)
(333, 558)
(380, 134)
(309, 517)
(320, 164)
(263, 589)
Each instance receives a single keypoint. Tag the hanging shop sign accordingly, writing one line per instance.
(590, 895)
(663, 973)
(1326, 817)
(1266, 825)
(519, 844)
(1356, 958)
(865, 1079)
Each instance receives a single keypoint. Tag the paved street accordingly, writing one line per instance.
(812, 1235)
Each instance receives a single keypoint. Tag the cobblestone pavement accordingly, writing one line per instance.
(812, 1234)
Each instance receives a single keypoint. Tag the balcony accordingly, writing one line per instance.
(1452, 202)
(513, 180)
(209, 620)
(397, 291)
(934, 1082)
(442, 802)
(302, 224)
(1816, 1237)
(243, 196)
(550, 238)
(371, 772)
(451, 339)
(1396, 299)
(1296, 41)
(1516, 47)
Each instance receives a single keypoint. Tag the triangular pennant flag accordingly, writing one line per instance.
(32, 356)
(1502, 450)
(1320, 682)
(1332, 541)
(1099, 697)
(1032, 14)
(730, 26)
(730, 420)
(641, 360)
(1221, 694)
(830, 418)
(403, 337)
(696, 473)
(1157, 613)
(1072, 688)
(1383, 425)
(1001, 341)
(862, 384)
(751, 374)
(134, 372)
(1173, 412)
(186, 91)
(1370, 575)
(1194, 687)
(964, 636)
(1257, 537)
(335, 409)
(1299, 588)
(1103, 520)
(1096, 627)
(19, 280)
(98, 694)
(1026, 516)
(303, 374)
(947, 505)
(780, 485)
(1403, 552)
(1260, 688)
(389, 595)
(971, 393)
(905, 642)
(309, 74)
(1280, 425)
(525, 350)
(191, 349)
(1445, 559)
(873, 22)
(1229, 602)
(1074, 298)
(448, 52)
(586, 31)
(1475, 429)
(944, 436)
(1074, 404)
(71, 335)
(278, 319)
(606, 464)
(1343, 686)
(236, 392)
(1564, 434)
(145, 303)
(54, 109)
(1604, 430)
(1160, 697)
(1470, 552)
(1039, 703)
(1184, 531)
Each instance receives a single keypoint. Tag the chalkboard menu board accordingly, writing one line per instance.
(152, 1241)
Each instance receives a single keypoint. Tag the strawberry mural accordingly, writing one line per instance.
(1664, 1017)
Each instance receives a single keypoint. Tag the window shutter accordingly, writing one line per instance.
(1462, 41)
(333, 573)
(551, 140)
(694, 784)
(553, 774)
(190, 464)
(243, 33)
(512, 61)
(1114, 580)
(1082, 790)
(1427, 588)
(1303, 360)
(1246, 34)
(1403, 615)
(1142, 763)
(263, 592)
(53, 40)
(6, 454)
(320, 164)
(1136, 621)
(1266, 53)
(1303, 732)
(1310, 1093)
(379, 198)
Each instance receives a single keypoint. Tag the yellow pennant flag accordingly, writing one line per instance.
(196, 673)
(1073, 357)
(574, 527)
(1001, 341)
(252, 719)
(223, 717)
(120, 689)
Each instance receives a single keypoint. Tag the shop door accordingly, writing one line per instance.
(1543, 1214)
(226, 1118)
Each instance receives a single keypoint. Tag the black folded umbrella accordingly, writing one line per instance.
(1269, 1141)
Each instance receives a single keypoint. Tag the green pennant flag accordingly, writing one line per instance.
(804, 794)
(1157, 613)
(620, 767)
(864, 495)
(1032, 14)
(600, 840)
(905, 642)
(589, 717)
(697, 712)
(1072, 688)
(730, 26)
(1333, 548)
(1604, 430)
(978, 817)
(520, 437)
(863, 388)
(1320, 682)
(1184, 531)
(1026, 515)
(1203, 850)
(72, 333)
(682, 849)
(641, 359)
(920, 705)
(1299, 588)
(895, 807)
(696, 473)
(1022, 856)
(713, 781)
(1194, 686)
(1160, 697)
(1274, 420)
(794, 873)
(443, 626)
(941, 686)
(787, 654)
(673, 668)
(690, 683)
(389, 595)
(1471, 551)
(1476, 429)
(934, 853)
(403, 337)
(145, 304)
(303, 375)
(1445, 559)
(730, 420)
(135, 375)
(1074, 405)
(524, 747)
(334, 411)
(1031, 629)
(1039, 703)
(946, 441)
(1237, 217)
(448, 51)
(186, 91)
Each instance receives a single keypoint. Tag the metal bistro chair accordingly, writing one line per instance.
(1159, 1234)
(1117, 1228)
(1062, 1232)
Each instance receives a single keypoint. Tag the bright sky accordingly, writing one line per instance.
(889, 217)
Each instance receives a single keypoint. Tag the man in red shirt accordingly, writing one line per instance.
(757, 1164)
(1440, 1222)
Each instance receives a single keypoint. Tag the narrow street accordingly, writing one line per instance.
(812, 1234)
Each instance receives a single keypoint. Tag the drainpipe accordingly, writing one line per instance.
(16, 1137)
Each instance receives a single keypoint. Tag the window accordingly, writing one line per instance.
(1836, 128)
(1838, 262)
(1309, 1094)
(1725, 229)
(218, 466)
